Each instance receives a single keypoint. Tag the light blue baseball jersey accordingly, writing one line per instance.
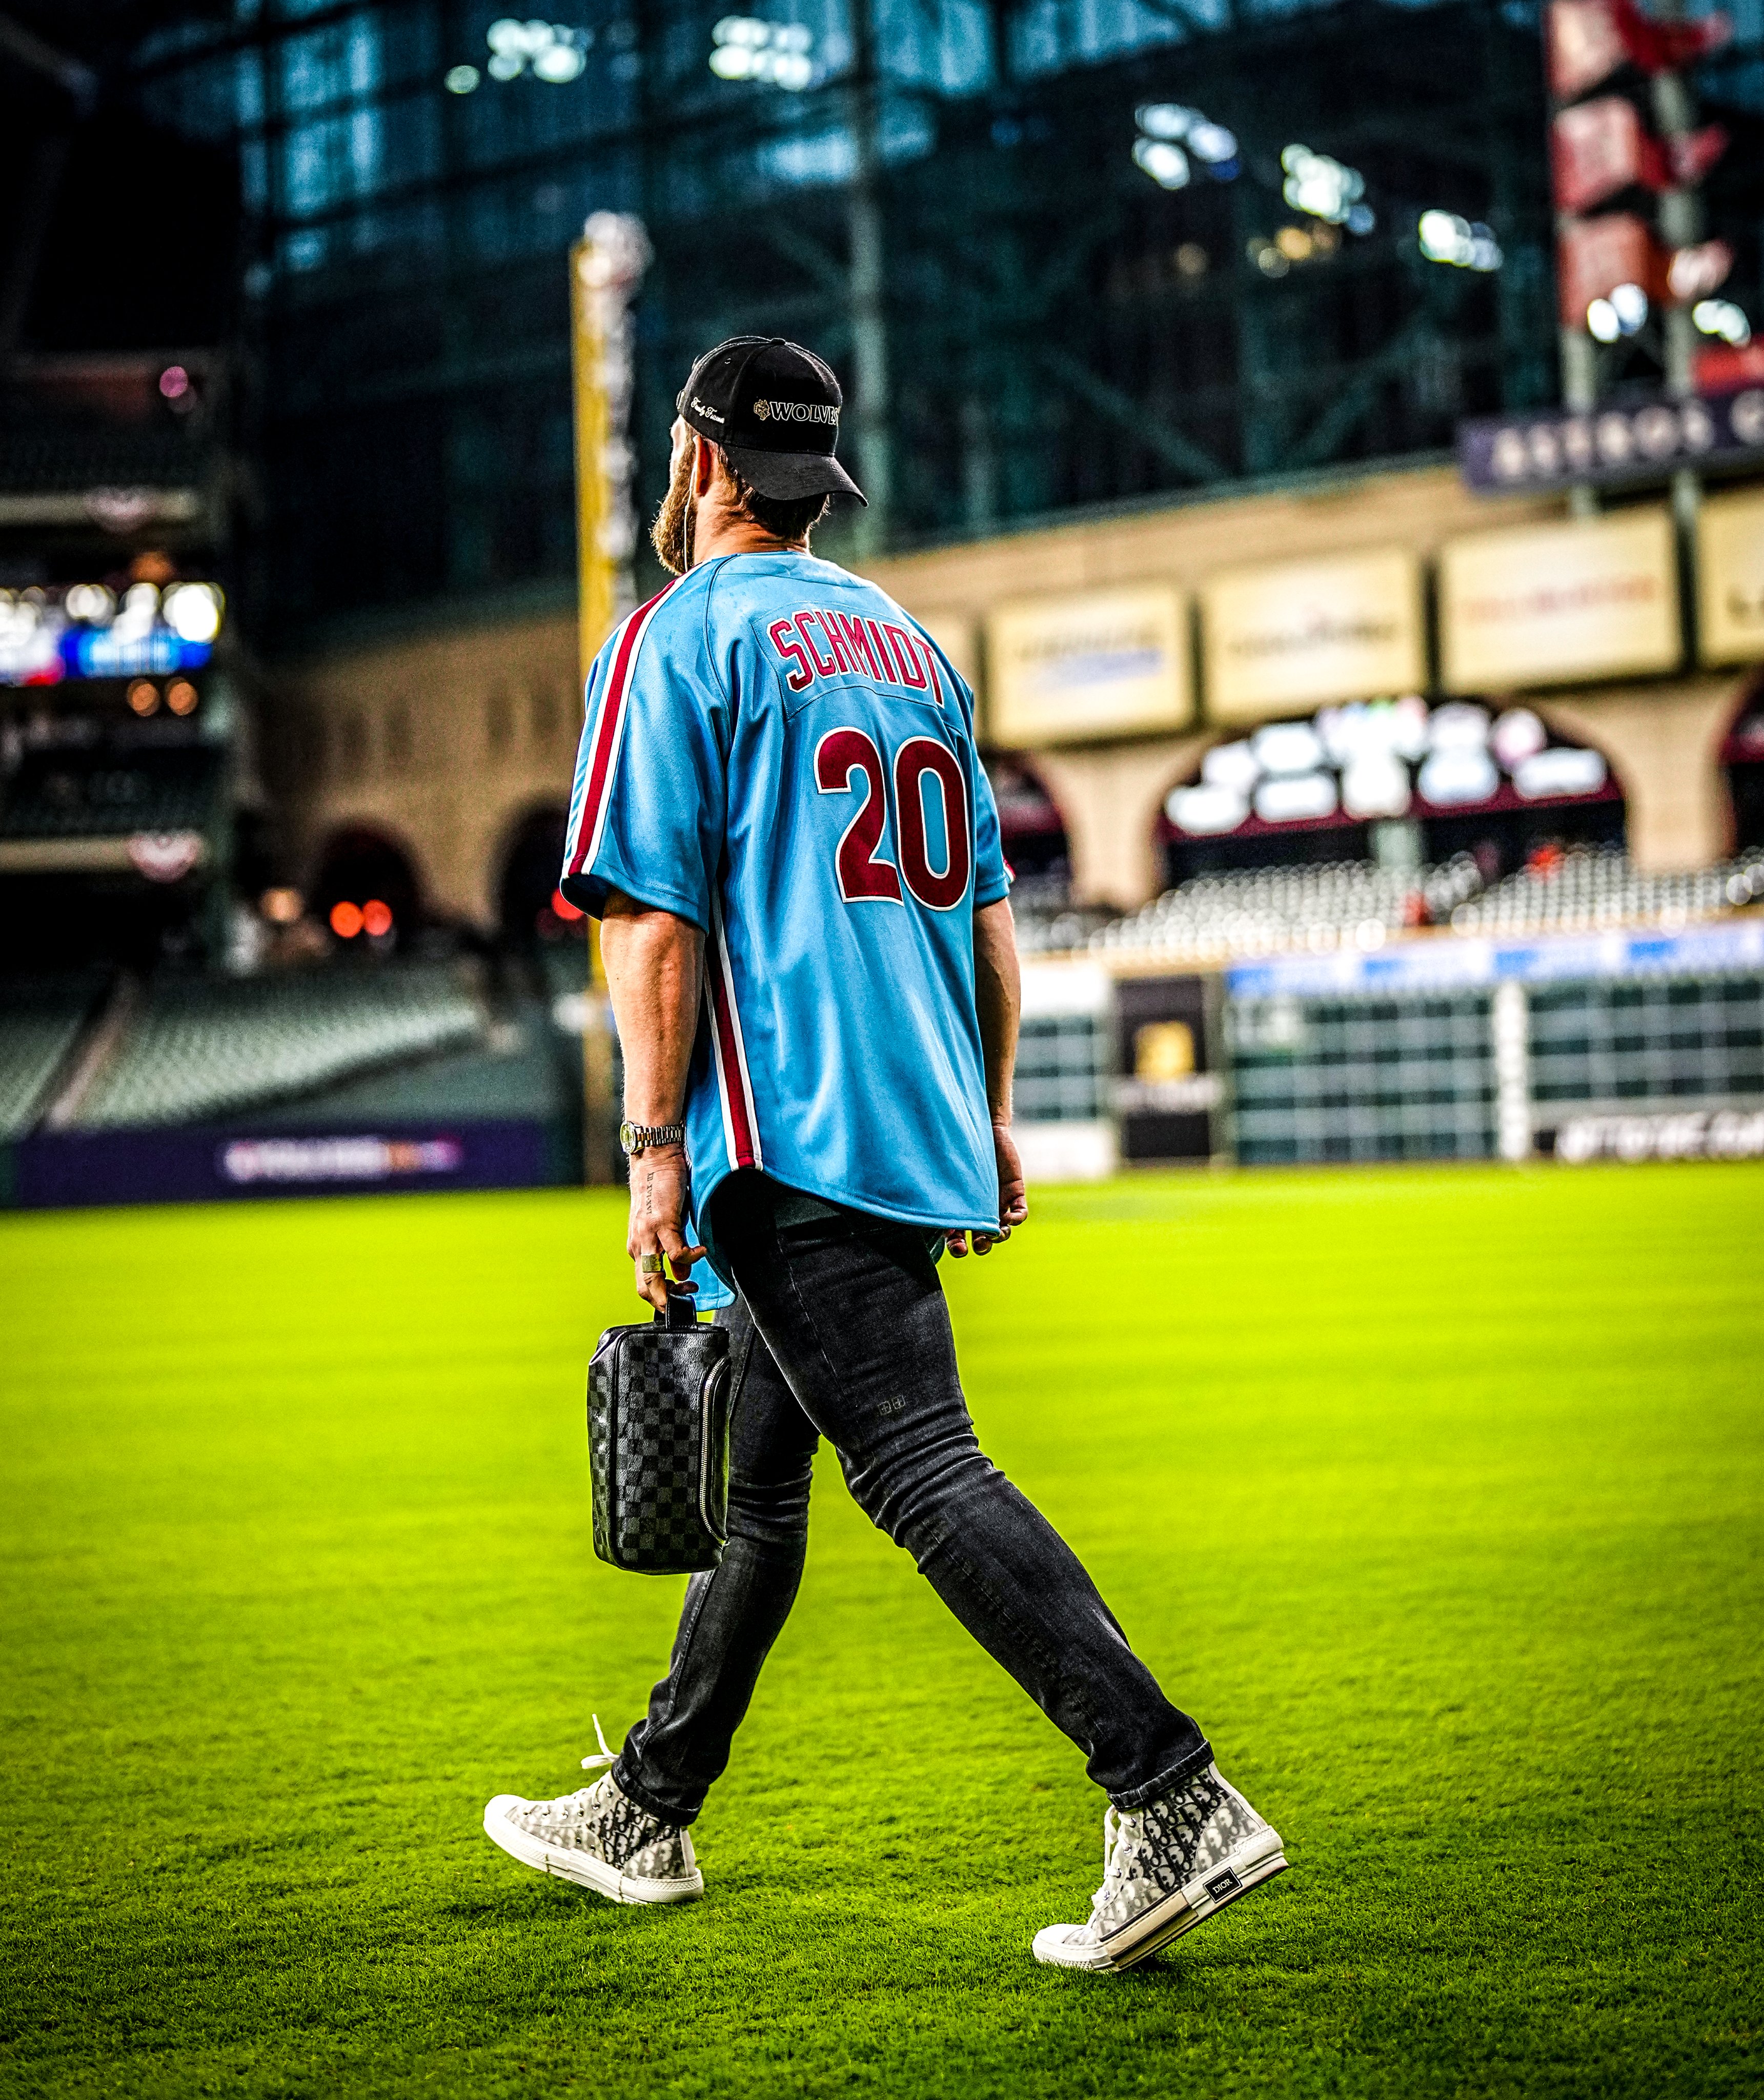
(776, 751)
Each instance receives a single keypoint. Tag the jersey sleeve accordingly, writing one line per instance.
(647, 809)
(992, 878)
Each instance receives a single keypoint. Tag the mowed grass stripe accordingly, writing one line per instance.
(1436, 1495)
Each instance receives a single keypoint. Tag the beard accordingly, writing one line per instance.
(671, 535)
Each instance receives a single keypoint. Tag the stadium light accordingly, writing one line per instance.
(551, 51)
(181, 697)
(460, 79)
(1171, 135)
(376, 918)
(192, 610)
(1166, 163)
(1722, 318)
(1629, 302)
(1465, 244)
(345, 921)
(1602, 322)
(1326, 189)
(144, 696)
(744, 48)
(90, 602)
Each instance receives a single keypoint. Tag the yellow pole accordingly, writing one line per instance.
(605, 266)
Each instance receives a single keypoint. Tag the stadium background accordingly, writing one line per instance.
(1330, 440)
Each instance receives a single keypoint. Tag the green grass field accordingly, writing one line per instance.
(1436, 1495)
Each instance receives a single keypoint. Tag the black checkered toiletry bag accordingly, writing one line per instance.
(658, 1443)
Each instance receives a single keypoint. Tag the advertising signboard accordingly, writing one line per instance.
(1549, 603)
(1299, 634)
(1107, 664)
(1168, 1096)
(1730, 564)
(1632, 441)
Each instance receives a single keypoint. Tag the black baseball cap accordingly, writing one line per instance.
(773, 407)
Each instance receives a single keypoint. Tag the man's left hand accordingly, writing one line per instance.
(1013, 1198)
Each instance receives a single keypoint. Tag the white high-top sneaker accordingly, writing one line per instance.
(1166, 1867)
(599, 1838)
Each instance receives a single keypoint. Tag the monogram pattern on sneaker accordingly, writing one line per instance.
(1153, 1851)
(607, 1825)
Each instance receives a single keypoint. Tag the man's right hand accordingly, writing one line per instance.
(1013, 1197)
(661, 1196)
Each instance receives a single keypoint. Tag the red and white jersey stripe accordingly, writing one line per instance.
(729, 1050)
(587, 822)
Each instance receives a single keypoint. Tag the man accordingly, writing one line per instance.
(780, 821)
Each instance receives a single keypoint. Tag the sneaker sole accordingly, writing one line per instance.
(1191, 1905)
(582, 1868)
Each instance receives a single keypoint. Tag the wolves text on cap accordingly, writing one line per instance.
(794, 411)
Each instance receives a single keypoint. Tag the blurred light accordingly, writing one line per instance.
(1191, 259)
(181, 697)
(1601, 321)
(1562, 772)
(1450, 777)
(745, 48)
(1165, 120)
(555, 52)
(1204, 812)
(345, 921)
(89, 602)
(1212, 142)
(1517, 734)
(460, 79)
(1287, 747)
(281, 907)
(175, 383)
(1294, 243)
(1233, 765)
(1167, 165)
(1629, 302)
(376, 918)
(1324, 187)
(1458, 725)
(1445, 237)
(1722, 317)
(1360, 219)
(557, 64)
(192, 610)
(1375, 784)
(563, 908)
(1268, 259)
(1163, 124)
(1294, 797)
(144, 696)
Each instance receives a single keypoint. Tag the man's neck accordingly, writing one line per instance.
(722, 531)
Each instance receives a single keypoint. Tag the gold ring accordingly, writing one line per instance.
(650, 1264)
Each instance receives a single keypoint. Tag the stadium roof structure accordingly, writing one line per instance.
(1065, 256)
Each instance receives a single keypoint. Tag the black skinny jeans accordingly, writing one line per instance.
(841, 1331)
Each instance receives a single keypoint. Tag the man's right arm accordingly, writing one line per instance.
(998, 1001)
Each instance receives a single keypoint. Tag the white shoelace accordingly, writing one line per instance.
(606, 1757)
(1112, 1836)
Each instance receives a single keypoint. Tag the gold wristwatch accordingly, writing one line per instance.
(635, 1137)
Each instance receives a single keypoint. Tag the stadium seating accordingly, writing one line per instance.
(38, 1028)
(1589, 888)
(206, 1046)
(1261, 912)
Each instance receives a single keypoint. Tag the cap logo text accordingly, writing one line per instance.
(704, 409)
(796, 411)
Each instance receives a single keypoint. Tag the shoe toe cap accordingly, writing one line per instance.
(1066, 1946)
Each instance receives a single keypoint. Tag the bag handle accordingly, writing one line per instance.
(681, 1311)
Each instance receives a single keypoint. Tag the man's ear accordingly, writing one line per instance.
(703, 465)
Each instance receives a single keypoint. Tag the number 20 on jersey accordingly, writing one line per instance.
(847, 762)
